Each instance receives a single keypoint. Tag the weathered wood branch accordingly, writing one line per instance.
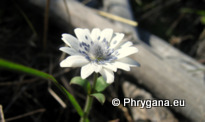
(168, 82)
(164, 71)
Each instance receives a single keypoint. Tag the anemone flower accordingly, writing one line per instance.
(98, 51)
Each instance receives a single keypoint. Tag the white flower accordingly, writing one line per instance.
(99, 51)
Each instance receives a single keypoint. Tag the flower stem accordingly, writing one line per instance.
(89, 101)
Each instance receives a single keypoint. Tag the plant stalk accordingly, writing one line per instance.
(89, 101)
(46, 17)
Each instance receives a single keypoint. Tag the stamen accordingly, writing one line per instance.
(115, 42)
(86, 48)
(104, 40)
(88, 57)
(98, 52)
(81, 45)
(98, 38)
(86, 37)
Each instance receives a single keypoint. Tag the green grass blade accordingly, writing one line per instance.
(21, 68)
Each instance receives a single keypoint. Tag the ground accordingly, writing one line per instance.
(21, 35)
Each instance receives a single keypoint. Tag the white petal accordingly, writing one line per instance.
(116, 40)
(83, 35)
(107, 75)
(95, 34)
(123, 52)
(80, 34)
(70, 41)
(74, 61)
(110, 67)
(97, 67)
(126, 44)
(121, 65)
(106, 34)
(69, 51)
(87, 70)
(129, 61)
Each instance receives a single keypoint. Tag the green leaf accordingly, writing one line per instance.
(81, 82)
(139, 2)
(72, 100)
(195, 11)
(203, 20)
(200, 12)
(101, 84)
(99, 96)
(187, 10)
(21, 68)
